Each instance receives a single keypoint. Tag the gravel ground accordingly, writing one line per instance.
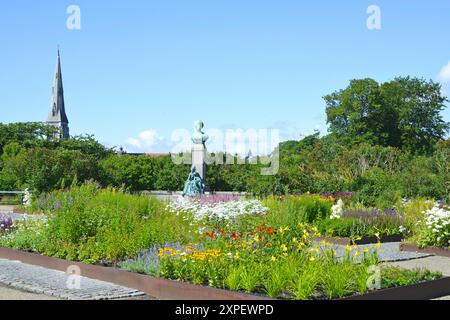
(7, 293)
(34, 279)
(387, 252)
(434, 263)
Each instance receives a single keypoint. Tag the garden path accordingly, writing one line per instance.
(390, 253)
(387, 252)
(39, 280)
(433, 263)
(7, 293)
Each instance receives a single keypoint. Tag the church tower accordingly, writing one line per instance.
(57, 116)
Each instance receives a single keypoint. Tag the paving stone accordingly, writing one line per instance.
(434, 263)
(387, 252)
(40, 280)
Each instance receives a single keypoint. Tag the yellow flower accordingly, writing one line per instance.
(379, 245)
(312, 259)
(348, 248)
(273, 259)
(366, 250)
(284, 248)
(256, 238)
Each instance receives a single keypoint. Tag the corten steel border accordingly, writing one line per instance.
(173, 290)
(364, 240)
(444, 252)
(156, 287)
(420, 291)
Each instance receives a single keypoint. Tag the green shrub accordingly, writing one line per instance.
(292, 210)
(95, 225)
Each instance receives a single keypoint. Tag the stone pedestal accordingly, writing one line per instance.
(199, 159)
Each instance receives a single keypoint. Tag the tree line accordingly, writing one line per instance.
(386, 141)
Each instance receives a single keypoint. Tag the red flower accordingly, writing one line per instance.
(235, 236)
(270, 231)
(261, 228)
(211, 235)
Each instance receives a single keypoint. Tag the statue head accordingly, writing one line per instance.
(199, 137)
(198, 126)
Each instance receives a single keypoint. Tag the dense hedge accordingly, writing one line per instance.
(377, 175)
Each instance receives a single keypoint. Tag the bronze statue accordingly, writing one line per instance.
(194, 185)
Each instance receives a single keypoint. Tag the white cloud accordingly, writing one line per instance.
(134, 142)
(149, 138)
(444, 74)
(146, 141)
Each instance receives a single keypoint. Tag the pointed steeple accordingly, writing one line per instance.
(57, 116)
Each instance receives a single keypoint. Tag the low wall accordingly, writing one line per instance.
(10, 209)
(171, 195)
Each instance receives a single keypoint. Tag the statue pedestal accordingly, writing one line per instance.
(199, 159)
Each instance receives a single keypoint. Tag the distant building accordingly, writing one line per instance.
(122, 152)
(150, 155)
(57, 116)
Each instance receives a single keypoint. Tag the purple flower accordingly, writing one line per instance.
(375, 217)
(6, 222)
(338, 195)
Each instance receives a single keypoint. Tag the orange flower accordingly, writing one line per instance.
(270, 231)
(235, 236)
(211, 235)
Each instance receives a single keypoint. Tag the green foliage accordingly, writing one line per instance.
(386, 142)
(29, 158)
(396, 277)
(292, 210)
(43, 170)
(94, 225)
(403, 113)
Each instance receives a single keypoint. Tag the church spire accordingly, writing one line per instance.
(57, 116)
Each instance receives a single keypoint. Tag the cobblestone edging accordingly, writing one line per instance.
(54, 283)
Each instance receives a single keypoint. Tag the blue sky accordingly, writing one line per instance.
(138, 70)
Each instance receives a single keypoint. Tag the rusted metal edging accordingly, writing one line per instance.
(364, 240)
(159, 288)
(421, 291)
(444, 252)
(173, 290)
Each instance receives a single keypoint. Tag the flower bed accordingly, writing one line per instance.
(433, 230)
(6, 222)
(280, 263)
(361, 240)
(173, 290)
(216, 208)
(244, 245)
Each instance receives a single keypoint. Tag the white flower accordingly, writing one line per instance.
(223, 211)
(437, 220)
(337, 210)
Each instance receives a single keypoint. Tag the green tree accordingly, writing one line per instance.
(403, 113)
